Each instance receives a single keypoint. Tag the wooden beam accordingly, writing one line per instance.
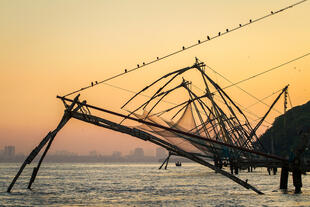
(180, 132)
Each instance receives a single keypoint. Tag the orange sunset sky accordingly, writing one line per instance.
(51, 48)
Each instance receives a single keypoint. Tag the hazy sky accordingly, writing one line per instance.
(50, 48)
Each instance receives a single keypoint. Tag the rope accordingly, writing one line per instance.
(256, 75)
(264, 98)
(242, 89)
(189, 47)
(266, 71)
(289, 98)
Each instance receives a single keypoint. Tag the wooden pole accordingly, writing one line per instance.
(62, 123)
(65, 119)
(167, 161)
(49, 137)
(163, 163)
(284, 178)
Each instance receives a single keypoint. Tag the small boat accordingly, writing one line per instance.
(178, 164)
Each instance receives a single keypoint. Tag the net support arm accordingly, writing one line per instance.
(148, 137)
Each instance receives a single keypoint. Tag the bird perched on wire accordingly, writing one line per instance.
(250, 20)
(183, 48)
(240, 25)
(227, 30)
(125, 70)
(198, 41)
(219, 33)
(208, 37)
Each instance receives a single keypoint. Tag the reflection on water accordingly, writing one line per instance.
(142, 185)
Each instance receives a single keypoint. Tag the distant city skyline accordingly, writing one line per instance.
(136, 155)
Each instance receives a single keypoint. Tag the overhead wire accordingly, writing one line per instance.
(273, 93)
(134, 92)
(289, 98)
(266, 71)
(186, 48)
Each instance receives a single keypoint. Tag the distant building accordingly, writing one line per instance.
(138, 152)
(93, 153)
(9, 151)
(64, 153)
(161, 153)
(116, 154)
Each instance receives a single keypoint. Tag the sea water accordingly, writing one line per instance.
(132, 184)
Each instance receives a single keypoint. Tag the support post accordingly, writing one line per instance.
(231, 166)
(167, 161)
(274, 170)
(268, 169)
(236, 170)
(163, 163)
(297, 180)
(64, 120)
(284, 178)
(48, 139)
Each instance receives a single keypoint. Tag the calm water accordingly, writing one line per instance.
(142, 185)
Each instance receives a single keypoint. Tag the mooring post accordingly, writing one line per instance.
(298, 162)
(284, 178)
(297, 173)
(268, 170)
(216, 163)
(274, 170)
(236, 170)
(297, 180)
(236, 166)
(231, 166)
(220, 164)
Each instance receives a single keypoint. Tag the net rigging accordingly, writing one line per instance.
(227, 130)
